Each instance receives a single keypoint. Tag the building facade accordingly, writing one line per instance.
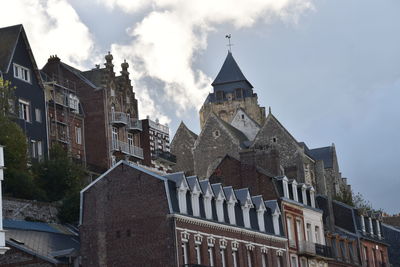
(156, 147)
(190, 222)
(17, 64)
(112, 128)
(65, 116)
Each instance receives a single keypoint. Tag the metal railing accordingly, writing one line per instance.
(119, 118)
(135, 124)
(127, 148)
(165, 156)
(306, 247)
(324, 251)
(158, 126)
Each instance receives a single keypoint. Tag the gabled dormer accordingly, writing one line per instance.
(273, 206)
(243, 195)
(231, 201)
(208, 196)
(195, 191)
(182, 187)
(220, 198)
(260, 208)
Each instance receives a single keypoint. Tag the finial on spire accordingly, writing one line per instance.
(269, 110)
(228, 36)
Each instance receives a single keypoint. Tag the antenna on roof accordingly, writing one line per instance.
(228, 36)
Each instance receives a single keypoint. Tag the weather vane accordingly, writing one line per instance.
(228, 36)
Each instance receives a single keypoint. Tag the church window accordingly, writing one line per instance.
(242, 116)
(239, 93)
(220, 96)
(216, 133)
(274, 139)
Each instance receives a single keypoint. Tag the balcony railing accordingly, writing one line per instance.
(194, 265)
(164, 157)
(306, 248)
(119, 118)
(135, 125)
(324, 251)
(126, 148)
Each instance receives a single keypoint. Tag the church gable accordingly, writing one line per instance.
(216, 140)
(182, 146)
(273, 134)
(245, 124)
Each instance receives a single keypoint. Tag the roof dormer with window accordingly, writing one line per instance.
(243, 195)
(231, 202)
(195, 191)
(208, 196)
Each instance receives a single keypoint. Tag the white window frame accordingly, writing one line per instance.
(78, 135)
(24, 106)
(195, 194)
(285, 187)
(39, 149)
(22, 73)
(33, 146)
(231, 212)
(294, 189)
(246, 216)
(220, 208)
(38, 115)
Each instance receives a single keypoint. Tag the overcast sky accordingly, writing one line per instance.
(330, 69)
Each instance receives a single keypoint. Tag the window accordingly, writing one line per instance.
(260, 219)
(220, 96)
(208, 206)
(317, 235)
(185, 255)
(130, 141)
(242, 116)
(279, 261)
(220, 210)
(239, 93)
(223, 257)
(38, 115)
(234, 259)
(198, 254)
(231, 212)
(195, 203)
(24, 110)
(22, 73)
(303, 262)
(33, 148)
(250, 259)
(216, 133)
(264, 259)
(39, 150)
(115, 138)
(289, 228)
(299, 230)
(78, 135)
(246, 216)
(113, 160)
(293, 260)
(211, 256)
(309, 235)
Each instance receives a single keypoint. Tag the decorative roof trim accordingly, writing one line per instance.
(229, 228)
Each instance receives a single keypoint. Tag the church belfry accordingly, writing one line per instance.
(231, 91)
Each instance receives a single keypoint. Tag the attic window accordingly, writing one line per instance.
(22, 73)
(274, 139)
(242, 116)
(216, 133)
(239, 93)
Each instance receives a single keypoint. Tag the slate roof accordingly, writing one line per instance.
(230, 72)
(322, 153)
(392, 237)
(95, 75)
(242, 195)
(79, 74)
(8, 41)
(240, 136)
(46, 241)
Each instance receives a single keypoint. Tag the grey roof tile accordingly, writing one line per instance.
(8, 40)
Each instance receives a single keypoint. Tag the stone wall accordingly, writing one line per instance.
(21, 209)
(182, 147)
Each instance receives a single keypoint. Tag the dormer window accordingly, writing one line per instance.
(378, 229)
(22, 73)
(195, 203)
(304, 194)
(312, 197)
(220, 207)
(275, 221)
(260, 218)
(231, 211)
(362, 223)
(239, 93)
(182, 198)
(220, 95)
(285, 187)
(294, 189)
(208, 206)
(371, 228)
(246, 216)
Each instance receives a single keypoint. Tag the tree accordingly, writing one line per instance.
(58, 176)
(361, 203)
(7, 97)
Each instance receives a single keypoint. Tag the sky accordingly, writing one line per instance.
(329, 69)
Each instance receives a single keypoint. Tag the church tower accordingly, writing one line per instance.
(231, 91)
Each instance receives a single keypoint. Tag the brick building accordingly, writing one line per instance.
(65, 116)
(156, 148)
(112, 128)
(133, 217)
(302, 220)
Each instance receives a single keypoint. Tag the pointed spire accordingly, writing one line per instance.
(230, 72)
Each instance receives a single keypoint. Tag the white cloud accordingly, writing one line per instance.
(53, 27)
(164, 43)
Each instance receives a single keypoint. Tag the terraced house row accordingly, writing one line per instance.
(244, 192)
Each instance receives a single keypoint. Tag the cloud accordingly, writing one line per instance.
(165, 42)
(53, 27)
